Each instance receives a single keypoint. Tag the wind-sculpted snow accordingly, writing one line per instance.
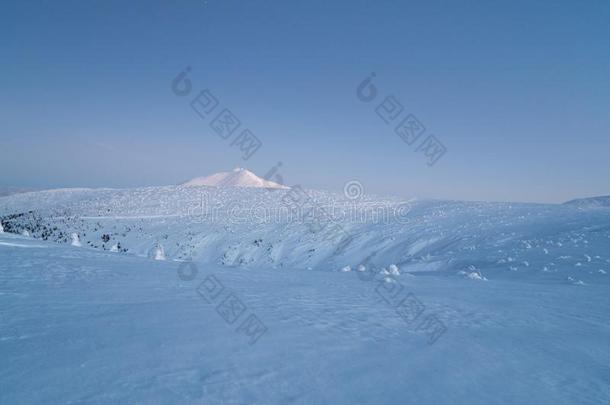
(256, 228)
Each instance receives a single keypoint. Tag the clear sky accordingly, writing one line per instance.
(517, 91)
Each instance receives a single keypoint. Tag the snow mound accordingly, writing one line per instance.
(156, 253)
(239, 177)
(76, 240)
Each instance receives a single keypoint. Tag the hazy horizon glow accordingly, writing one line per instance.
(517, 92)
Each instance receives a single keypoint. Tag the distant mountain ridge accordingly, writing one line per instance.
(6, 191)
(239, 177)
(591, 202)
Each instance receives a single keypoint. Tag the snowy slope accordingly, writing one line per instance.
(87, 326)
(253, 228)
(239, 177)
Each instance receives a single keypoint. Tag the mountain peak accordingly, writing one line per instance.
(238, 177)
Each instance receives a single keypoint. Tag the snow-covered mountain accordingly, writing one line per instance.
(238, 177)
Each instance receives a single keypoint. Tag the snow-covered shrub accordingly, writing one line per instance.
(1, 228)
(25, 232)
(114, 248)
(393, 269)
(157, 253)
(476, 275)
(76, 240)
(473, 275)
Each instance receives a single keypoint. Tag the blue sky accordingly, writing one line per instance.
(518, 92)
